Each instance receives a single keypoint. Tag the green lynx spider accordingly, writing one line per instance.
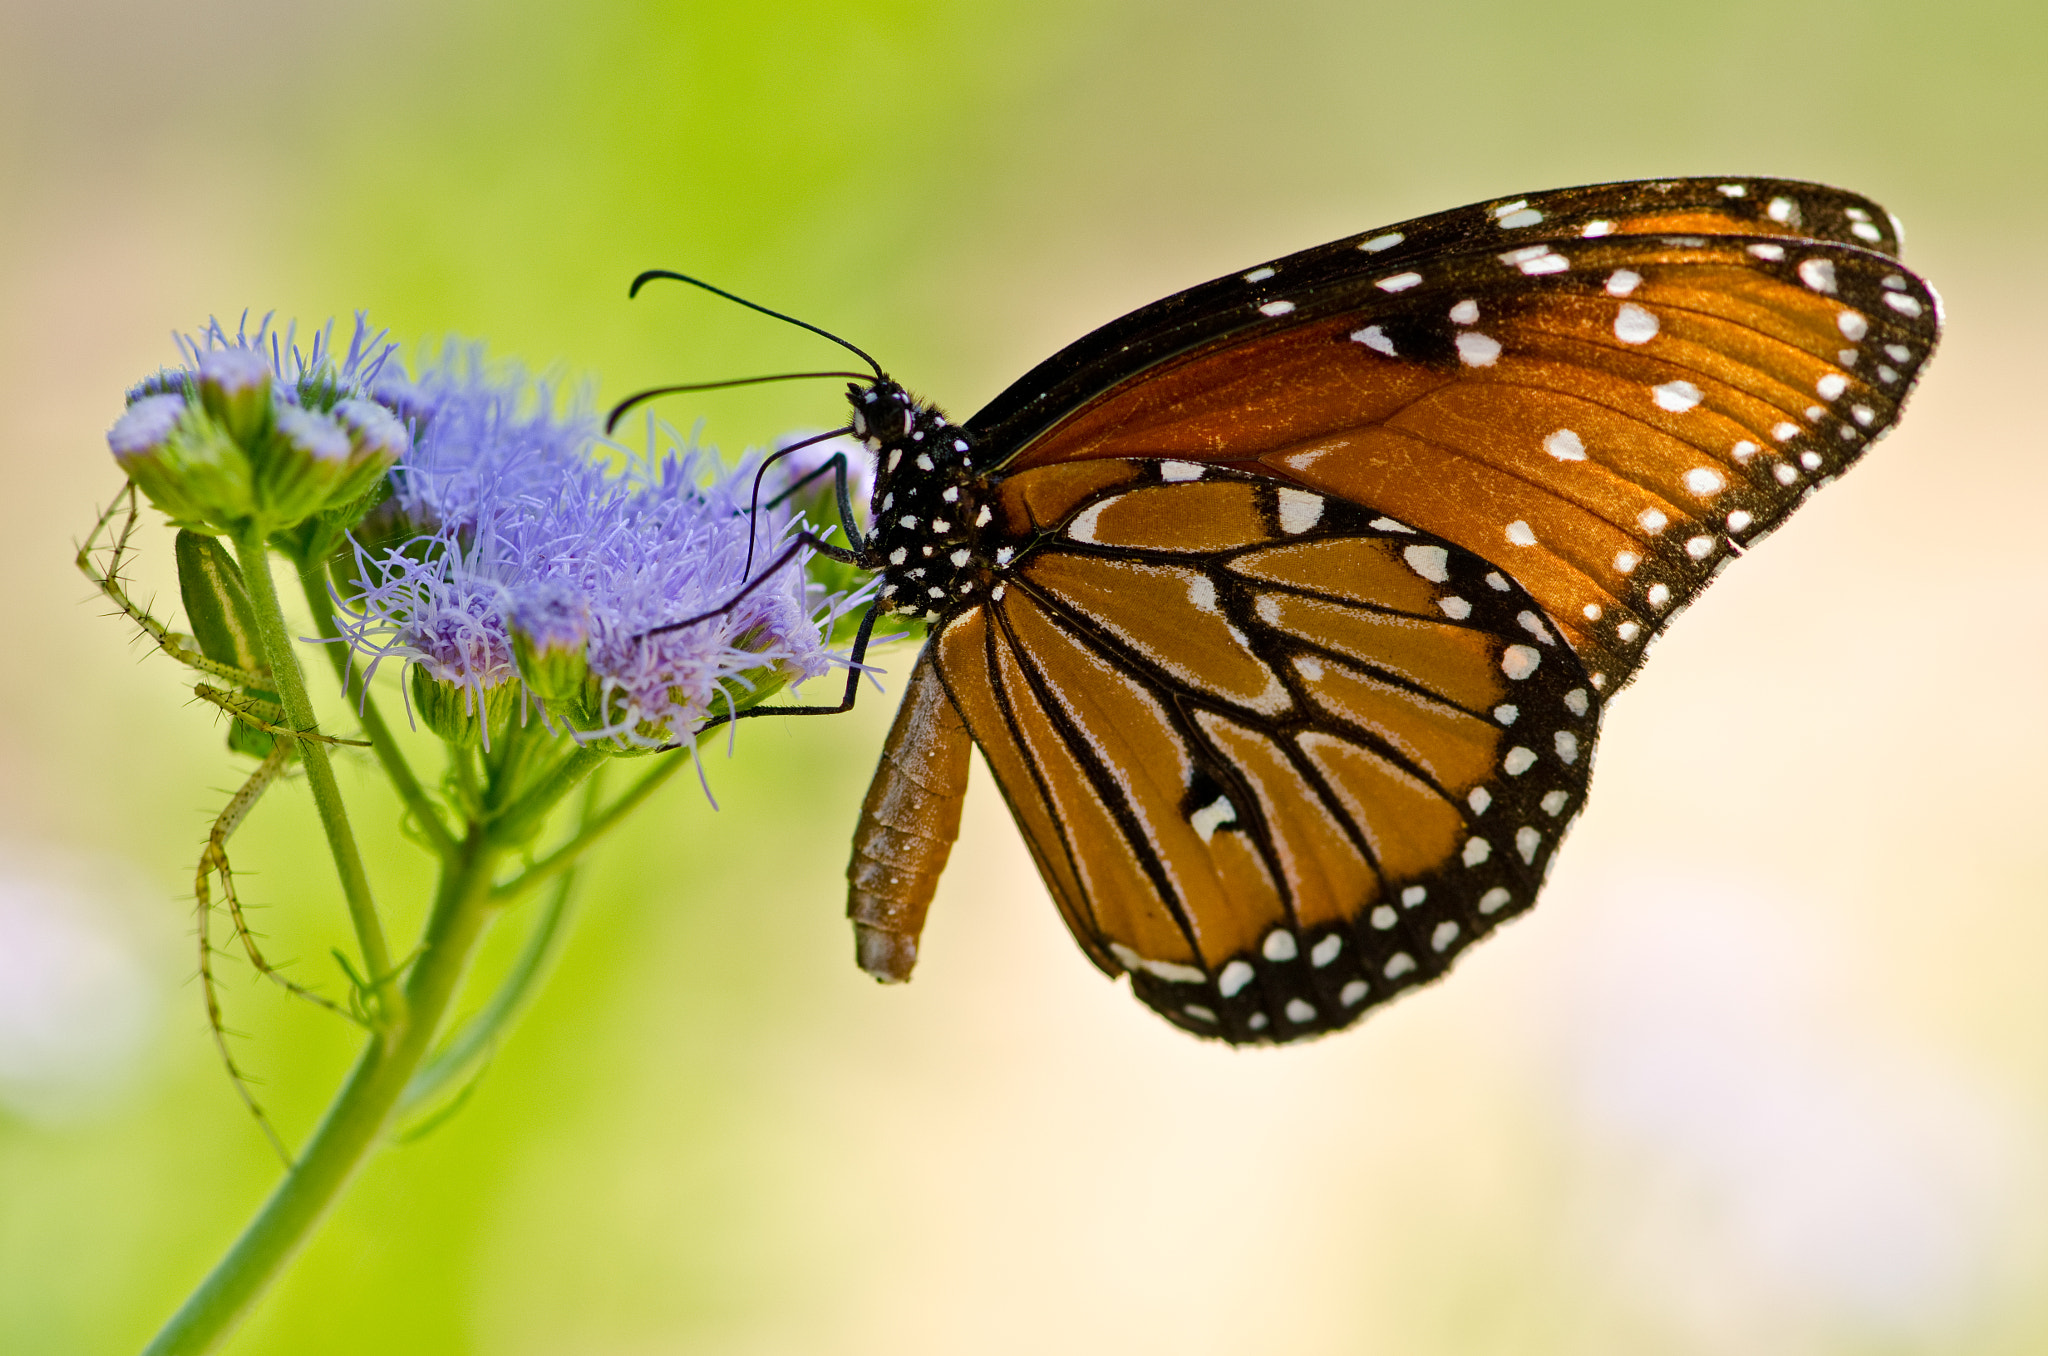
(253, 712)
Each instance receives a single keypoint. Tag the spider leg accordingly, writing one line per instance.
(179, 646)
(264, 716)
(213, 860)
(213, 863)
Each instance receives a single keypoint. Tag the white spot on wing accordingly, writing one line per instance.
(1399, 282)
(1299, 510)
(1520, 661)
(1634, 325)
(1478, 350)
(1279, 946)
(1381, 242)
(1431, 562)
(1521, 534)
(1819, 274)
(1565, 445)
(1083, 526)
(1527, 216)
(1325, 951)
(1258, 275)
(1167, 970)
(1853, 326)
(1374, 338)
(1623, 281)
(1676, 396)
(1465, 312)
(1276, 308)
(1831, 386)
(1457, 609)
(1180, 470)
(1705, 480)
(1494, 900)
(1202, 593)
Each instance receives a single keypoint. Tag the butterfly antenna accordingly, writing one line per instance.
(642, 397)
(653, 273)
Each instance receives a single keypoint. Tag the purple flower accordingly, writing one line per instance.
(315, 376)
(541, 538)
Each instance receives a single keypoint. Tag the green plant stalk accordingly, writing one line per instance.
(476, 1041)
(593, 828)
(465, 1052)
(254, 554)
(354, 1121)
(313, 582)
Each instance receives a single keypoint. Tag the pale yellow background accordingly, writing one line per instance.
(1767, 1072)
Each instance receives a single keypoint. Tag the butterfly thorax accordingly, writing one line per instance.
(929, 506)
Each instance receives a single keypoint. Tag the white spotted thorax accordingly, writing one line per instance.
(930, 504)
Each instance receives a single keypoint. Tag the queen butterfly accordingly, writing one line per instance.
(1285, 610)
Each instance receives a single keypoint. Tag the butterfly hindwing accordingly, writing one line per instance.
(1278, 757)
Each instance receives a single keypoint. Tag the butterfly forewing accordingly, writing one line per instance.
(1279, 756)
(1609, 431)
(1215, 310)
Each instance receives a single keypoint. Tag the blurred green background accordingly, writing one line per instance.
(1767, 1072)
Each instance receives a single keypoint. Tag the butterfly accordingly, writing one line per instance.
(1285, 610)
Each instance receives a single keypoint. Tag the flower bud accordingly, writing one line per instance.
(301, 464)
(184, 461)
(550, 643)
(234, 385)
(452, 712)
(376, 441)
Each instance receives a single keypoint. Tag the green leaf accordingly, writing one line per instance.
(217, 603)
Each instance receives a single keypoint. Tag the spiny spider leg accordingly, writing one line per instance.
(179, 646)
(214, 859)
(264, 716)
(213, 862)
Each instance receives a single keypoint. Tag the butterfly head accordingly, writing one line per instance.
(930, 503)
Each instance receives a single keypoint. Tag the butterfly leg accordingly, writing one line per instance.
(853, 673)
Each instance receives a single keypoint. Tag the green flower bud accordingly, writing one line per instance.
(550, 643)
(301, 464)
(452, 713)
(183, 459)
(235, 385)
(376, 441)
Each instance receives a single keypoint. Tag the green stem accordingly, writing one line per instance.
(254, 554)
(515, 822)
(592, 829)
(465, 1052)
(355, 1120)
(313, 581)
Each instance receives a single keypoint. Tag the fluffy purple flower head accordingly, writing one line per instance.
(541, 538)
(481, 435)
(314, 375)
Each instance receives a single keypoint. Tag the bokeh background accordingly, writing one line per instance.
(1768, 1071)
